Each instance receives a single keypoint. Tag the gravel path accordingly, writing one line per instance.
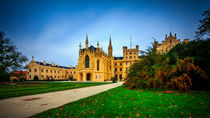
(26, 106)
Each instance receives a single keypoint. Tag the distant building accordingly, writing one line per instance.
(168, 43)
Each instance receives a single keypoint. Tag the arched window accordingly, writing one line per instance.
(86, 61)
(97, 65)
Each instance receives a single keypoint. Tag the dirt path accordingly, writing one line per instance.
(26, 106)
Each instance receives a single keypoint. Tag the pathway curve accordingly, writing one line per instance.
(26, 106)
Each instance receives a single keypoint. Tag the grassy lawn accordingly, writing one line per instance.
(121, 102)
(8, 90)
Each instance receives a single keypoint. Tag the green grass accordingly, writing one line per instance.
(29, 88)
(122, 102)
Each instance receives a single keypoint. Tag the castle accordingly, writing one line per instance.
(94, 64)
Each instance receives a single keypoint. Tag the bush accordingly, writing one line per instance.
(36, 78)
(114, 79)
(156, 70)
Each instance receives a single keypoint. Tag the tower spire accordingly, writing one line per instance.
(86, 42)
(110, 43)
(110, 47)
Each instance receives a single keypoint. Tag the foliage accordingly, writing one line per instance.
(8, 90)
(199, 50)
(10, 58)
(114, 79)
(124, 103)
(156, 70)
(204, 27)
(36, 78)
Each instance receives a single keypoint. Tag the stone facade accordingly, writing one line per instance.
(168, 43)
(93, 65)
(46, 71)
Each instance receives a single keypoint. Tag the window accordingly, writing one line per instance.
(58, 77)
(126, 68)
(130, 53)
(121, 64)
(115, 64)
(55, 71)
(51, 71)
(54, 76)
(42, 70)
(134, 53)
(110, 67)
(62, 76)
(96, 76)
(130, 63)
(126, 57)
(42, 76)
(29, 70)
(134, 57)
(29, 76)
(34, 70)
(126, 53)
(126, 63)
(46, 71)
(86, 61)
(130, 57)
(115, 69)
(99, 76)
(58, 71)
(97, 65)
(120, 69)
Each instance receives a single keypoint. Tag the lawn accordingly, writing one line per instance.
(122, 102)
(8, 90)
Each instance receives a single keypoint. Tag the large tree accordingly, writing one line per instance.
(204, 27)
(10, 58)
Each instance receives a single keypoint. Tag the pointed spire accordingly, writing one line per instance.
(86, 42)
(80, 45)
(110, 43)
(97, 44)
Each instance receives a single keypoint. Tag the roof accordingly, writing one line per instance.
(90, 48)
(116, 58)
(41, 63)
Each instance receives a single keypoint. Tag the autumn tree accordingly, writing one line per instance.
(10, 58)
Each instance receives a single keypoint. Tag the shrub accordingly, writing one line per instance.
(156, 70)
(114, 79)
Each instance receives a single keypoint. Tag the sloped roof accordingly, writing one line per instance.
(90, 48)
(116, 58)
(47, 64)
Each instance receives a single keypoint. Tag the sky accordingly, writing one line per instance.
(52, 30)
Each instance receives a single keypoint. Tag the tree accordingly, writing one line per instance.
(204, 27)
(10, 58)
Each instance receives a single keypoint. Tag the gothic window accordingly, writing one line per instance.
(97, 65)
(86, 61)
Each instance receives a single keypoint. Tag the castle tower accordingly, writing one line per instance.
(110, 47)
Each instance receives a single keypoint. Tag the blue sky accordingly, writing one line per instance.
(51, 30)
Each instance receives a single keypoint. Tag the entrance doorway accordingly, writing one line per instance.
(88, 77)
